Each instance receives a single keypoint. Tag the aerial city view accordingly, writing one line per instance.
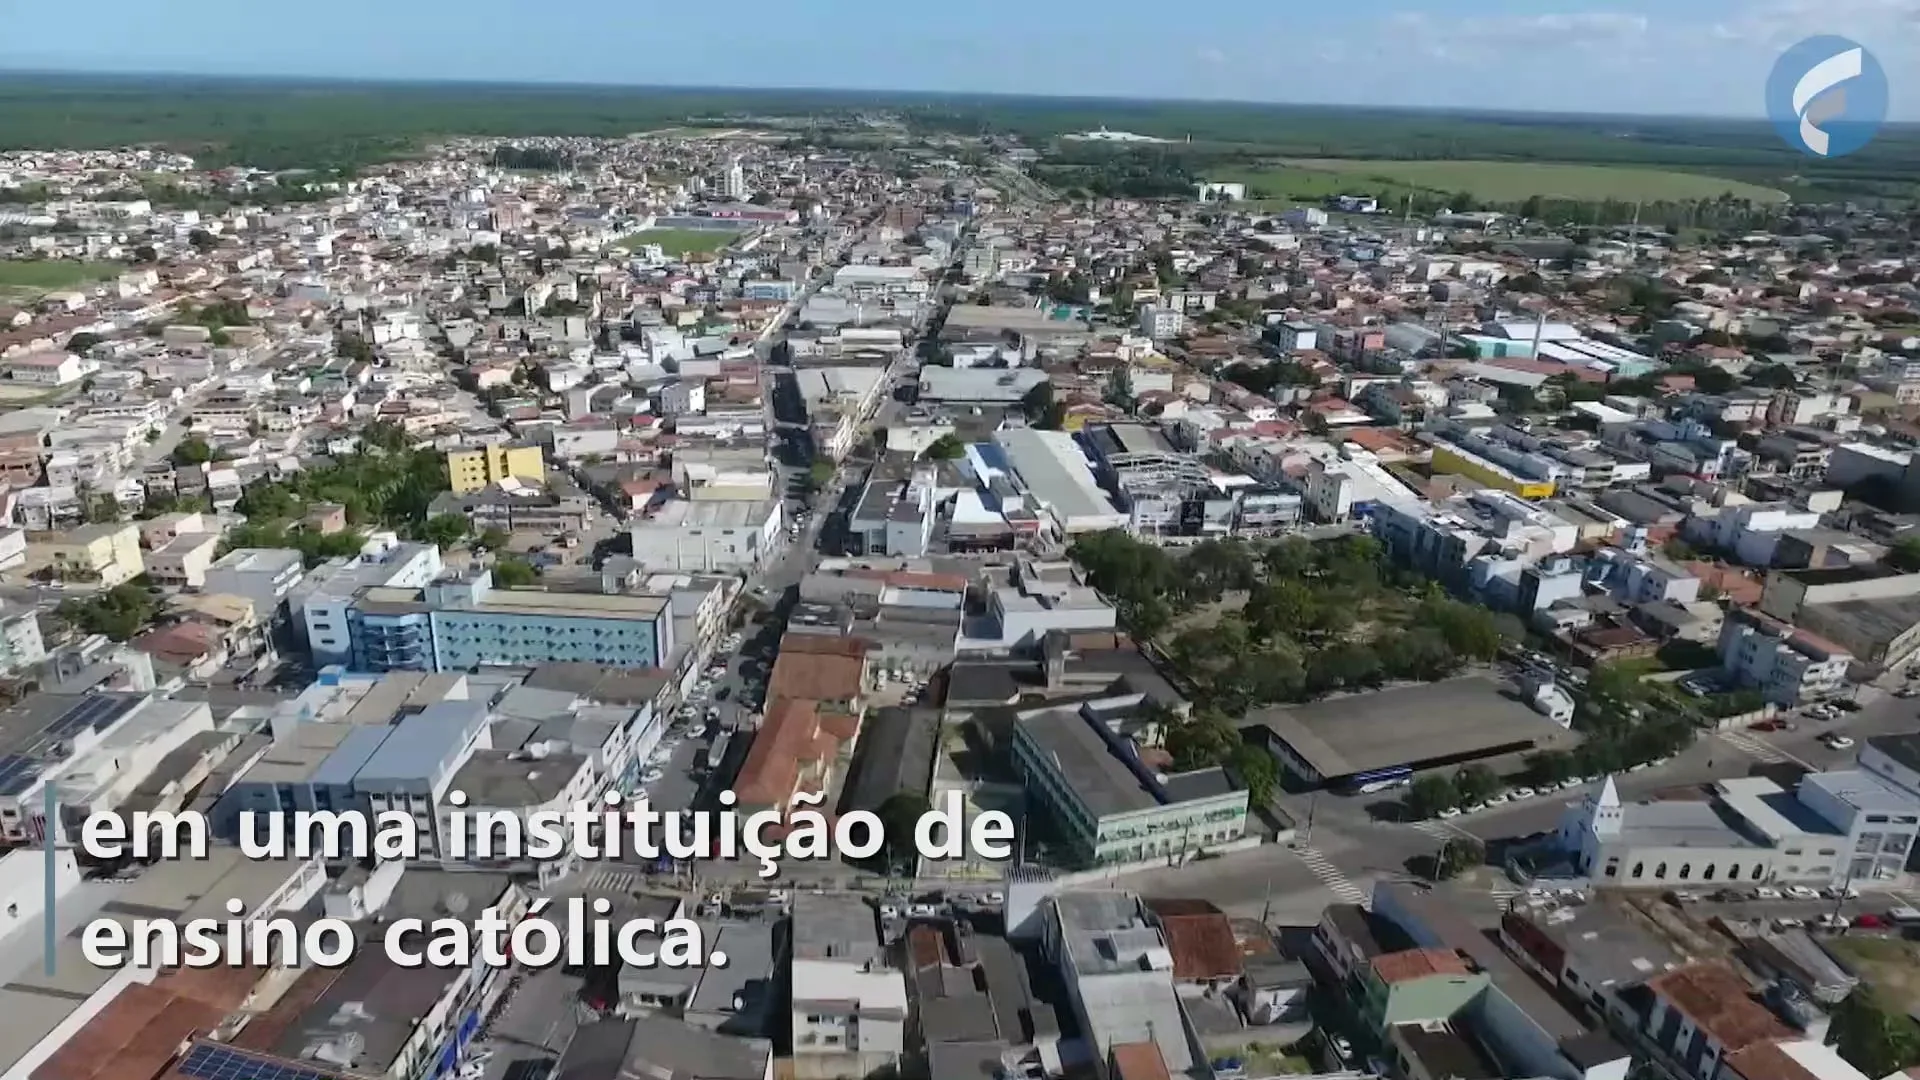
(861, 543)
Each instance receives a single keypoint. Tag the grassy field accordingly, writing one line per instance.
(42, 275)
(1889, 965)
(1313, 179)
(679, 241)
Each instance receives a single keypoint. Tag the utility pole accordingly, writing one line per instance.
(1266, 905)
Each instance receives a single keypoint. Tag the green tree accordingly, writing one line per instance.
(1205, 739)
(493, 539)
(514, 573)
(1905, 553)
(1431, 793)
(192, 450)
(120, 612)
(1257, 771)
(899, 814)
(1873, 1038)
(1549, 766)
(820, 474)
(1042, 409)
(104, 508)
(1475, 783)
(1457, 855)
(945, 448)
(1213, 568)
(444, 530)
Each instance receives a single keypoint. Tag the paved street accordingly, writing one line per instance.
(1344, 844)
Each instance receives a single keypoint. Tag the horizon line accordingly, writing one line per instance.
(8, 71)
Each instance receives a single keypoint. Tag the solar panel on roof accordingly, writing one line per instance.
(17, 773)
(211, 1061)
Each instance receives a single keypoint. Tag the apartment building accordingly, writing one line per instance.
(264, 576)
(475, 467)
(105, 552)
(1788, 665)
(463, 623)
(849, 1006)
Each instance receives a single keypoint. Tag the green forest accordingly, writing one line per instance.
(340, 126)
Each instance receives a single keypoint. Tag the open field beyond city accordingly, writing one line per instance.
(1310, 180)
(42, 275)
(679, 241)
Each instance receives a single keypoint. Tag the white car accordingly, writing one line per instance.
(1801, 892)
(1450, 812)
(1838, 742)
(1765, 893)
(652, 776)
(1498, 798)
(1474, 808)
(1523, 793)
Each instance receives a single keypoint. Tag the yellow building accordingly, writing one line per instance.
(105, 552)
(476, 467)
(1456, 462)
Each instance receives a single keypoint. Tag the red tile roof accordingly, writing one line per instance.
(1719, 1002)
(1412, 964)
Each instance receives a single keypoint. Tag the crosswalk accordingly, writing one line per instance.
(1330, 876)
(1755, 747)
(1502, 894)
(1442, 830)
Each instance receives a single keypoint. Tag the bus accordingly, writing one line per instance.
(1377, 780)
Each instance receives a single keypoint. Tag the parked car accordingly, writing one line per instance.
(1801, 892)
(1764, 893)
(1838, 741)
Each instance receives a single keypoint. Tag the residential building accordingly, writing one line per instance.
(1161, 323)
(105, 552)
(1119, 979)
(1043, 597)
(184, 560)
(264, 576)
(1789, 666)
(319, 604)
(475, 467)
(462, 623)
(849, 1006)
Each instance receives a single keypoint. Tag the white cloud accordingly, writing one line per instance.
(1469, 36)
(1880, 24)
(1210, 55)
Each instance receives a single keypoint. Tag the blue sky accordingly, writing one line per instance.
(1677, 56)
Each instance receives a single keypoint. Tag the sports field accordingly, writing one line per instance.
(679, 241)
(1506, 181)
(40, 275)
